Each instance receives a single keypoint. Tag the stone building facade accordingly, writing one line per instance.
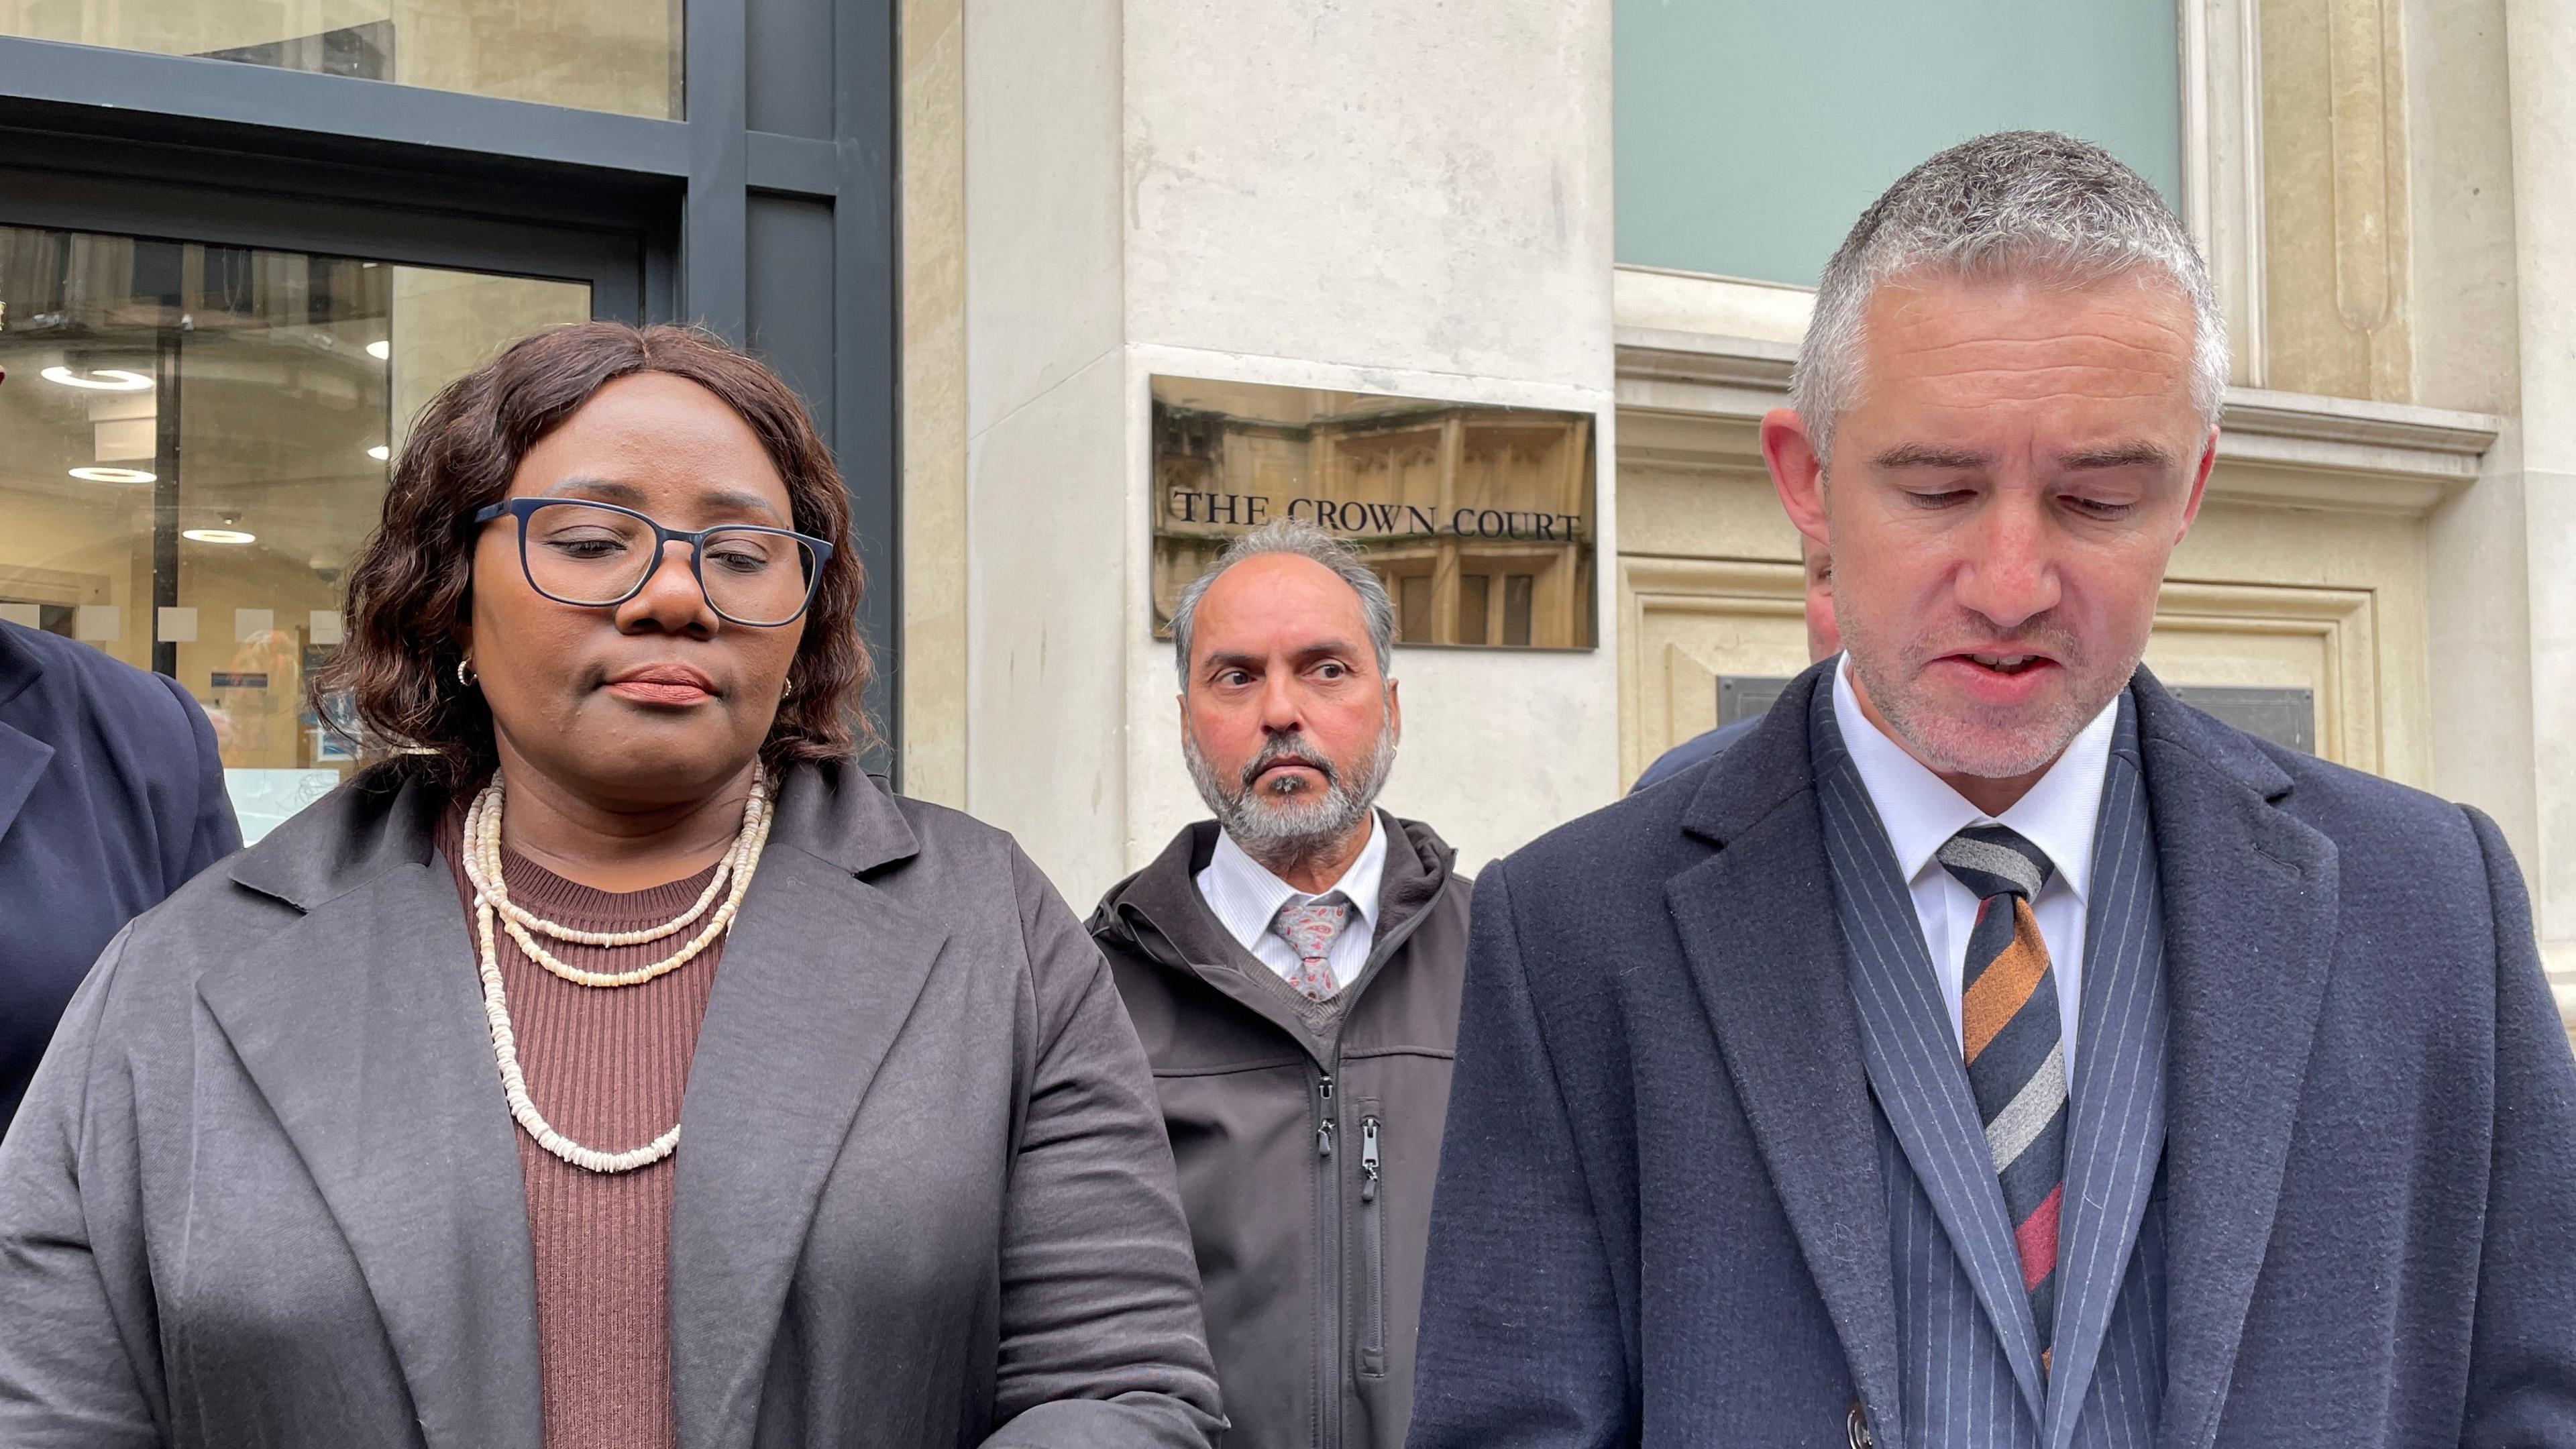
(1385, 199)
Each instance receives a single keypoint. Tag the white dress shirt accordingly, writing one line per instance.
(1246, 898)
(1920, 813)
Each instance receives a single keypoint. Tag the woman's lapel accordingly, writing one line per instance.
(817, 979)
(361, 1024)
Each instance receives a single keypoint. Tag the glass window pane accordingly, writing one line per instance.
(601, 55)
(193, 443)
(1475, 597)
(1518, 592)
(1439, 497)
(1751, 134)
(1413, 604)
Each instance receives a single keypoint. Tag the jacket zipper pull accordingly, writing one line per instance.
(1368, 1159)
(1324, 1120)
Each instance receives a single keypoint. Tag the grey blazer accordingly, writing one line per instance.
(264, 1188)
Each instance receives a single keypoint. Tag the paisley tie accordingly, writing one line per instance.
(1308, 924)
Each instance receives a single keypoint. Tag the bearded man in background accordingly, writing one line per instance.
(1293, 967)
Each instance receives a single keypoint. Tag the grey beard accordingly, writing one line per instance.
(1283, 830)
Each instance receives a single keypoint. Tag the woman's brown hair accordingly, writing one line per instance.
(412, 585)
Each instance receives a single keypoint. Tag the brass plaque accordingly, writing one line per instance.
(1478, 518)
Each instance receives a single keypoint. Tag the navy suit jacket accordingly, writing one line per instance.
(111, 797)
(1707, 744)
(1660, 1216)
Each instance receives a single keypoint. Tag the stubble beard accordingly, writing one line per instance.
(1966, 738)
(1287, 826)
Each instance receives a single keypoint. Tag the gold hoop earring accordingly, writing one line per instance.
(790, 691)
(463, 677)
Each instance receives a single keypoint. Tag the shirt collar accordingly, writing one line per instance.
(1920, 812)
(1246, 897)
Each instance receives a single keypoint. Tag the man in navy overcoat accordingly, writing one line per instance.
(1991, 1050)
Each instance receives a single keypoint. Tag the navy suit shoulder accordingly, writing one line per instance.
(111, 797)
(65, 672)
(1653, 831)
(1654, 819)
(1600, 878)
(1589, 895)
(2415, 823)
(1633, 841)
(2312, 788)
(135, 741)
(1706, 745)
(2402, 854)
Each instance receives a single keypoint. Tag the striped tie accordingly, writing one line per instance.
(2014, 1043)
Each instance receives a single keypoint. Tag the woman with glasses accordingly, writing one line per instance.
(614, 1063)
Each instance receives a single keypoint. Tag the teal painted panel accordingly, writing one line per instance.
(1751, 133)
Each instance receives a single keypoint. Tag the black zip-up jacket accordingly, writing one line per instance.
(1306, 1156)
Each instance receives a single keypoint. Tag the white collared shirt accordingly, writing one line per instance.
(1246, 898)
(1920, 813)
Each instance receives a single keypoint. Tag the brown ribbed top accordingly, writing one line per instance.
(606, 1066)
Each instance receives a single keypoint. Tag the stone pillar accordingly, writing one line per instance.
(932, 514)
(2541, 40)
(1401, 196)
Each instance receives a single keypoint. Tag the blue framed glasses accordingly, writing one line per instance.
(598, 555)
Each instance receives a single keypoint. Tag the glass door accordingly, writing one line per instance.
(193, 443)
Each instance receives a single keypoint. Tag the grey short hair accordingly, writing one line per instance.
(1308, 541)
(2006, 204)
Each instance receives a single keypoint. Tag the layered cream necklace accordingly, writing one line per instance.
(482, 852)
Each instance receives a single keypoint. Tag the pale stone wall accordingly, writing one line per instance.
(931, 644)
(2335, 198)
(2541, 37)
(2468, 354)
(1047, 437)
(1324, 198)
(1331, 198)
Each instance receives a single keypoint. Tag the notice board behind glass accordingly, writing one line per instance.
(1479, 519)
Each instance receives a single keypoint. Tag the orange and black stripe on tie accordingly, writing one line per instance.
(2015, 1047)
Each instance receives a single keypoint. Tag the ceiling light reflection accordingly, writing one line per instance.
(113, 475)
(218, 535)
(99, 379)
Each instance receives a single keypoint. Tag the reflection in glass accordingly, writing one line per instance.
(1479, 518)
(1413, 592)
(599, 55)
(1475, 598)
(193, 443)
(1520, 593)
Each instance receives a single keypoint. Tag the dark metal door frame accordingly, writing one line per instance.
(768, 215)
